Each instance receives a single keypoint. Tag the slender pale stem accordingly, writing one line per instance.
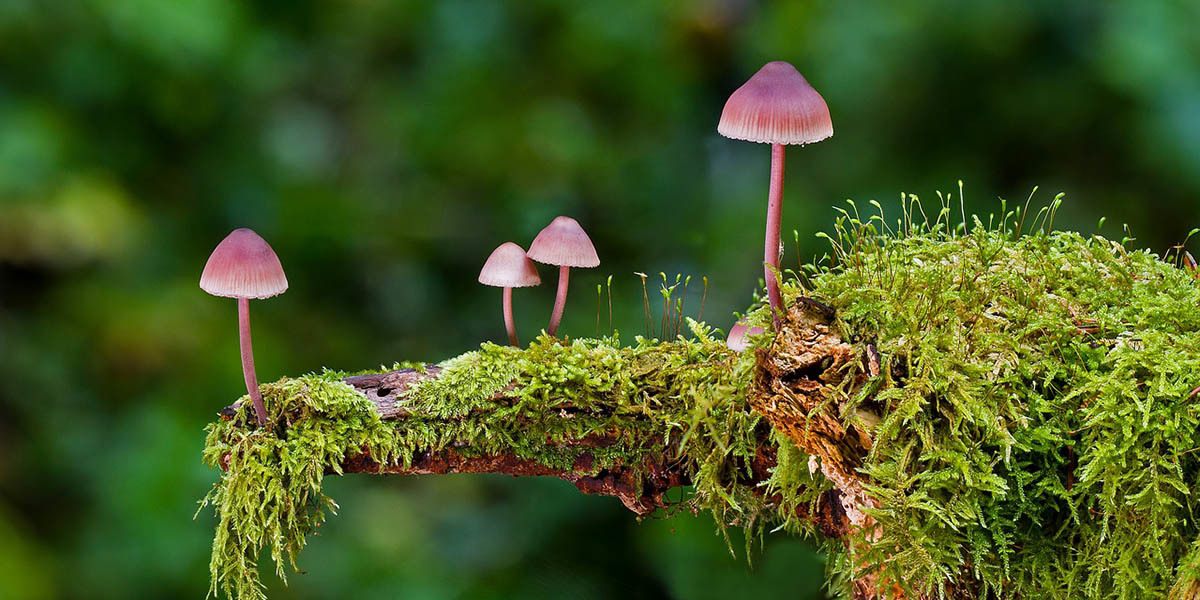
(774, 221)
(248, 361)
(560, 299)
(509, 324)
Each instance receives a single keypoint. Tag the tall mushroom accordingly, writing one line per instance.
(243, 266)
(776, 106)
(564, 244)
(507, 268)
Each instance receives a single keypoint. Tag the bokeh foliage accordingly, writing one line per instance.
(384, 148)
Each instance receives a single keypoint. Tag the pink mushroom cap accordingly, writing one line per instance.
(564, 243)
(509, 267)
(739, 336)
(776, 106)
(243, 265)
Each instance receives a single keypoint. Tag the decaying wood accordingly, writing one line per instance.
(796, 390)
(793, 390)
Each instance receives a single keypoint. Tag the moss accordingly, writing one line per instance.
(683, 397)
(269, 497)
(1187, 586)
(1033, 434)
(1037, 438)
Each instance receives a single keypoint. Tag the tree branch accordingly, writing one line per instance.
(792, 380)
(642, 491)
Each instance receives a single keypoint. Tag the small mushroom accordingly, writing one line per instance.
(776, 106)
(564, 244)
(739, 336)
(243, 266)
(508, 267)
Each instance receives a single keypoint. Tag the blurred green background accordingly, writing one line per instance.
(385, 147)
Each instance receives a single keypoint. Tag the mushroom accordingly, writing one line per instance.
(739, 336)
(244, 266)
(507, 268)
(564, 244)
(776, 106)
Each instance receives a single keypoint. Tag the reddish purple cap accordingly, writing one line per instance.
(508, 267)
(739, 335)
(243, 266)
(776, 106)
(564, 243)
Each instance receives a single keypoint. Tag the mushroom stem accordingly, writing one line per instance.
(560, 299)
(509, 323)
(248, 360)
(774, 221)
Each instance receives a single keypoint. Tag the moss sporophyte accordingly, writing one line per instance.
(1009, 414)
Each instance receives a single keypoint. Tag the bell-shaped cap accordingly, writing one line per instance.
(776, 106)
(243, 266)
(739, 336)
(564, 243)
(508, 267)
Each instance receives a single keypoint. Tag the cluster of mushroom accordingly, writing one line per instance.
(776, 106)
(245, 267)
(563, 243)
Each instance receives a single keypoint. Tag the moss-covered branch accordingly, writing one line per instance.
(641, 487)
(960, 414)
(626, 421)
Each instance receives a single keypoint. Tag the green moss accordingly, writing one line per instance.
(468, 383)
(683, 398)
(1037, 438)
(1187, 586)
(1032, 426)
(269, 497)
